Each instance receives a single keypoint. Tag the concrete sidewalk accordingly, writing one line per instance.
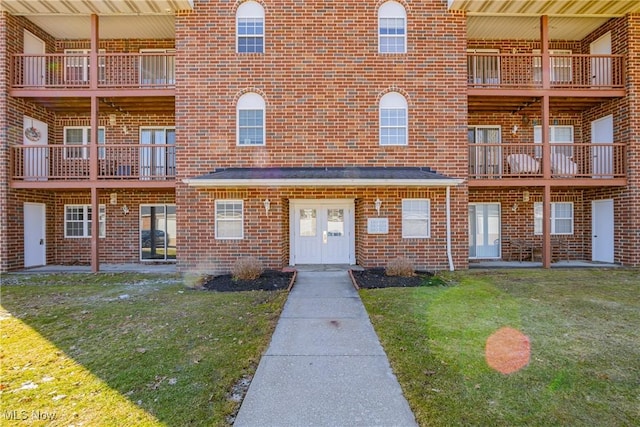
(325, 365)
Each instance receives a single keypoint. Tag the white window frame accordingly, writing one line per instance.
(82, 62)
(86, 222)
(483, 70)
(538, 214)
(559, 66)
(555, 132)
(82, 148)
(250, 11)
(163, 75)
(393, 101)
(250, 102)
(157, 159)
(409, 207)
(392, 11)
(485, 161)
(217, 219)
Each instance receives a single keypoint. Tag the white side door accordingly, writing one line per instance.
(322, 233)
(484, 230)
(601, 67)
(36, 162)
(34, 66)
(602, 156)
(602, 229)
(35, 245)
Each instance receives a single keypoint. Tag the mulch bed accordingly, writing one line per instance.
(375, 278)
(270, 280)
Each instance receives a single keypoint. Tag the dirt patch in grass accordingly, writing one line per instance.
(270, 280)
(375, 278)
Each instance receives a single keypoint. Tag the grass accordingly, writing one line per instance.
(582, 326)
(127, 349)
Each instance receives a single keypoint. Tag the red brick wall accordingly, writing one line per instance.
(321, 82)
(121, 244)
(519, 224)
(268, 237)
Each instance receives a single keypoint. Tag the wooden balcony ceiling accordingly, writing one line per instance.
(123, 105)
(88, 7)
(529, 105)
(511, 19)
(63, 19)
(547, 7)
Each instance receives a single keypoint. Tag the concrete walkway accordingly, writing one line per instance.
(325, 365)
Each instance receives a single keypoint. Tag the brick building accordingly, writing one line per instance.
(444, 131)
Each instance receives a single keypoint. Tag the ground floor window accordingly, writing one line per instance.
(77, 221)
(416, 218)
(561, 218)
(229, 219)
(158, 232)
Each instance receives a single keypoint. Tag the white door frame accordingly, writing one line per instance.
(602, 231)
(601, 67)
(602, 157)
(34, 67)
(36, 159)
(485, 229)
(35, 232)
(298, 203)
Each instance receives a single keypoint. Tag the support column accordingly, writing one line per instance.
(95, 230)
(544, 51)
(546, 147)
(546, 227)
(93, 148)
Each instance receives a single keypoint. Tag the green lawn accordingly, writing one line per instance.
(583, 327)
(126, 349)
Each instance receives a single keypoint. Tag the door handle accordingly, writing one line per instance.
(41, 242)
(324, 237)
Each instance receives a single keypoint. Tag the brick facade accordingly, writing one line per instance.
(322, 83)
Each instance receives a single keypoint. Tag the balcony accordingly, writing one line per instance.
(121, 165)
(72, 71)
(573, 164)
(524, 71)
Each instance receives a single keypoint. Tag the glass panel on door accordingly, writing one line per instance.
(158, 232)
(484, 230)
(308, 218)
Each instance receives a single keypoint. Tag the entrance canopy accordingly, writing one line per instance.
(325, 177)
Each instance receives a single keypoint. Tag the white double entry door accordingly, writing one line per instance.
(322, 232)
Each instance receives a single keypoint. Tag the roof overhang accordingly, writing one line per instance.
(566, 8)
(97, 7)
(322, 177)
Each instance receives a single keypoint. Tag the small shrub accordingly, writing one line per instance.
(248, 268)
(400, 267)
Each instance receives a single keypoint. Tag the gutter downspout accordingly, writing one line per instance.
(448, 210)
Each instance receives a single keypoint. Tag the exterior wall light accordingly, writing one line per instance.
(378, 204)
(125, 209)
(267, 206)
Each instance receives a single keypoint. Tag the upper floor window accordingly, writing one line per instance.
(250, 28)
(77, 139)
(250, 120)
(392, 28)
(393, 119)
(77, 70)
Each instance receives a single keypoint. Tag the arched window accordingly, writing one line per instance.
(250, 119)
(250, 28)
(392, 28)
(393, 119)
